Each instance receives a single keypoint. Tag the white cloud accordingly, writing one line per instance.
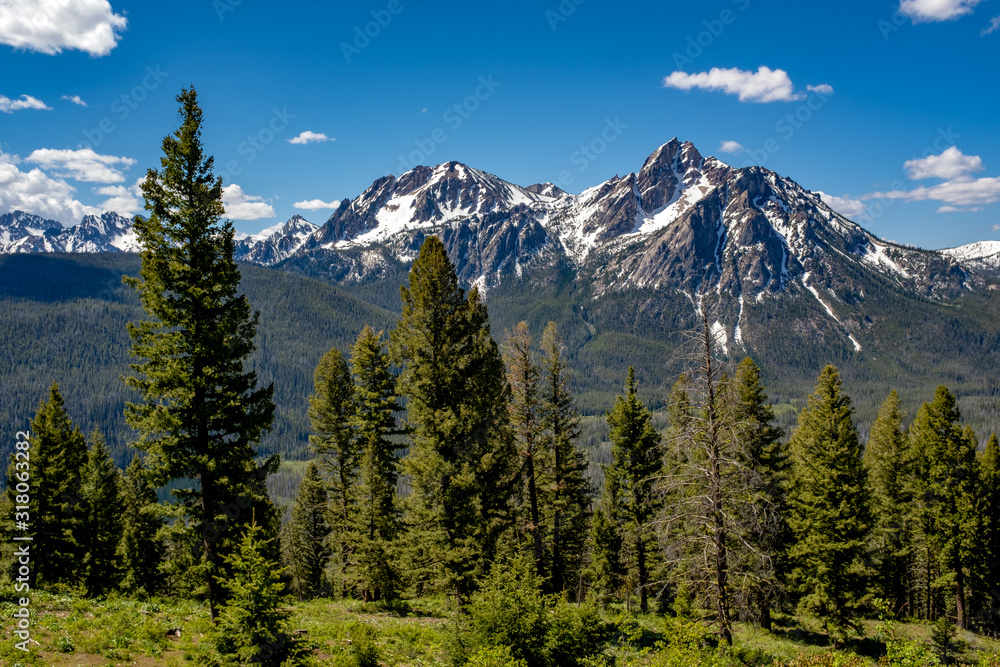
(822, 89)
(316, 204)
(50, 26)
(764, 85)
(8, 105)
(957, 192)
(843, 205)
(75, 99)
(927, 11)
(956, 209)
(241, 206)
(82, 164)
(730, 146)
(122, 199)
(951, 163)
(992, 27)
(309, 137)
(35, 192)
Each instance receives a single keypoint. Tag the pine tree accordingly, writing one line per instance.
(374, 421)
(253, 628)
(944, 489)
(763, 526)
(141, 551)
(887, 460)
(987, 563)
(309, 534)
(101, 530)
(337, 449)
(202, 413)
(829, 508)
(629, 478)
(57, 455)
(566, 501)
(605, 570)
(525, 421)
(461, 461)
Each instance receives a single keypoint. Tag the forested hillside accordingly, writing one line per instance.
(63, 319)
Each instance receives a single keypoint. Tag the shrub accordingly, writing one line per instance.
(494, 656)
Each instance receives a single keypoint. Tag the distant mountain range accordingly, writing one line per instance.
(627, 263)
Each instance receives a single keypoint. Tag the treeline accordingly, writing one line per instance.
(440, 456)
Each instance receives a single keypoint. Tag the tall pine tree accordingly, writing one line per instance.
(102, 528)
(141, 549)
(525, 420)
(461, 462)
(887, 459)
(309, 535)
(944, 492)
(331, 409)
(57, 456)
(987, 565)
(379, 523)
(567, 496)
(635, 461)
(830, 512)
(201, 413)
(763, 524)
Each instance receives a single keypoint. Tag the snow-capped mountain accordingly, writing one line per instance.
(275, 243)
(983, 256)
(682, 223)
(21, 232)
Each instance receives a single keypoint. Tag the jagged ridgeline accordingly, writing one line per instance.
(621, 267)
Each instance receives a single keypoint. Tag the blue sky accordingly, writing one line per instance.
(889, 109)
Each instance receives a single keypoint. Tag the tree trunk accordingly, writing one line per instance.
(536, 531)
(640, 557)
(960, 597)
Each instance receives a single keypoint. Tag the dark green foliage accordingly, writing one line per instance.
(201, 412)
(629, 479)
(887, 459)
(78, 335)
(252, 627)
(337, 449)
(510, 610)
(308, 535)
(379, 522)
(986, 570)
(101, 529)
(764, 524)
(141, 549)
(944, 503)
(461, 460)
(829, 509)
(605, 571)
(56, 459)
(364, 646)
(567, 492)
(525, 422)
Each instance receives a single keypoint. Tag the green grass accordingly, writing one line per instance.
(72, 631)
